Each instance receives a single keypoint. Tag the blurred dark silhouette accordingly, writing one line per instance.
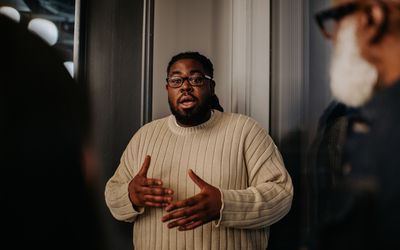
(325, 173)
(44, 143)
(365, 73)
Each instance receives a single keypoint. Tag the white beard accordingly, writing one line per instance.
(352, 77)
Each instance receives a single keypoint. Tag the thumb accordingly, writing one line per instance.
(145, 167)
(196, 179)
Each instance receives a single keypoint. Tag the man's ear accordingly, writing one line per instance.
(373, 23)
(166, 87)
(212, 87)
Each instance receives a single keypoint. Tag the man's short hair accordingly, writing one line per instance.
(203, 60)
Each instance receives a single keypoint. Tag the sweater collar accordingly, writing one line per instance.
(176, 129)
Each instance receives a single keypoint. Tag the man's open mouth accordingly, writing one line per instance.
(187, 101)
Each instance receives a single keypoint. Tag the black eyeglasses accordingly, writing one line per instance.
(327, 19)
(194, 80)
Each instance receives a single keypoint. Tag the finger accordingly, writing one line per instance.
(153, 182)
(196, 179)
(145, 167)
(174, 215)
(190, 226)
(183, 213)
(159, 199)
(184, 221)
(156, 191)
(181, 204)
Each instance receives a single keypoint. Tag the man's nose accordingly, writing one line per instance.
(186, 86)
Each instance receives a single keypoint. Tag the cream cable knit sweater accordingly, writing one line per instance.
(229, 151)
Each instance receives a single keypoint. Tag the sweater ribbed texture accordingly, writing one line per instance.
(229, 151)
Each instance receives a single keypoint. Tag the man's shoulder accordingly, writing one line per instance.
(242, 120)
(158, 121)
(239, 117)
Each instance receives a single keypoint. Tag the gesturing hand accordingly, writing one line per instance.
(197, 210)
(146, 192)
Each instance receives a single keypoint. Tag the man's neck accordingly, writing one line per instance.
(196, 122)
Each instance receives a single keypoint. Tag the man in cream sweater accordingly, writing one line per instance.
(200, 178)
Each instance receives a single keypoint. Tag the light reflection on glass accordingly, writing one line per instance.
(52, 20)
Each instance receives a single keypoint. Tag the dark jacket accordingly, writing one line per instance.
(325, 167)
(368, 209)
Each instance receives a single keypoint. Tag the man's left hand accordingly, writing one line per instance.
(197, 210)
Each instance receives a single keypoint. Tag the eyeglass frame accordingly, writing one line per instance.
(336, 13)
(184, 78)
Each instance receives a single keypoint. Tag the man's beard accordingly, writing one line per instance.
(352, 77)
(194, 116)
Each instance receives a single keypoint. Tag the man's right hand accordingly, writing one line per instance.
(146, 192)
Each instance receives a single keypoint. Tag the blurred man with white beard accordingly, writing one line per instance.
(365, 73)
(352, 77)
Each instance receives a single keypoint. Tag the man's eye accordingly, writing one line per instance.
(176, 80)
(197, 79)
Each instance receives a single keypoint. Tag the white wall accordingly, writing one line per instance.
(234, 34)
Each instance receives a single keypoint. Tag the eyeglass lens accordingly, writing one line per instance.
(177, 81)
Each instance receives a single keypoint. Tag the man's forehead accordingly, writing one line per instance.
(186, 63)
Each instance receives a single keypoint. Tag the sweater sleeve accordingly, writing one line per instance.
(269, 195)
(116, 191)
